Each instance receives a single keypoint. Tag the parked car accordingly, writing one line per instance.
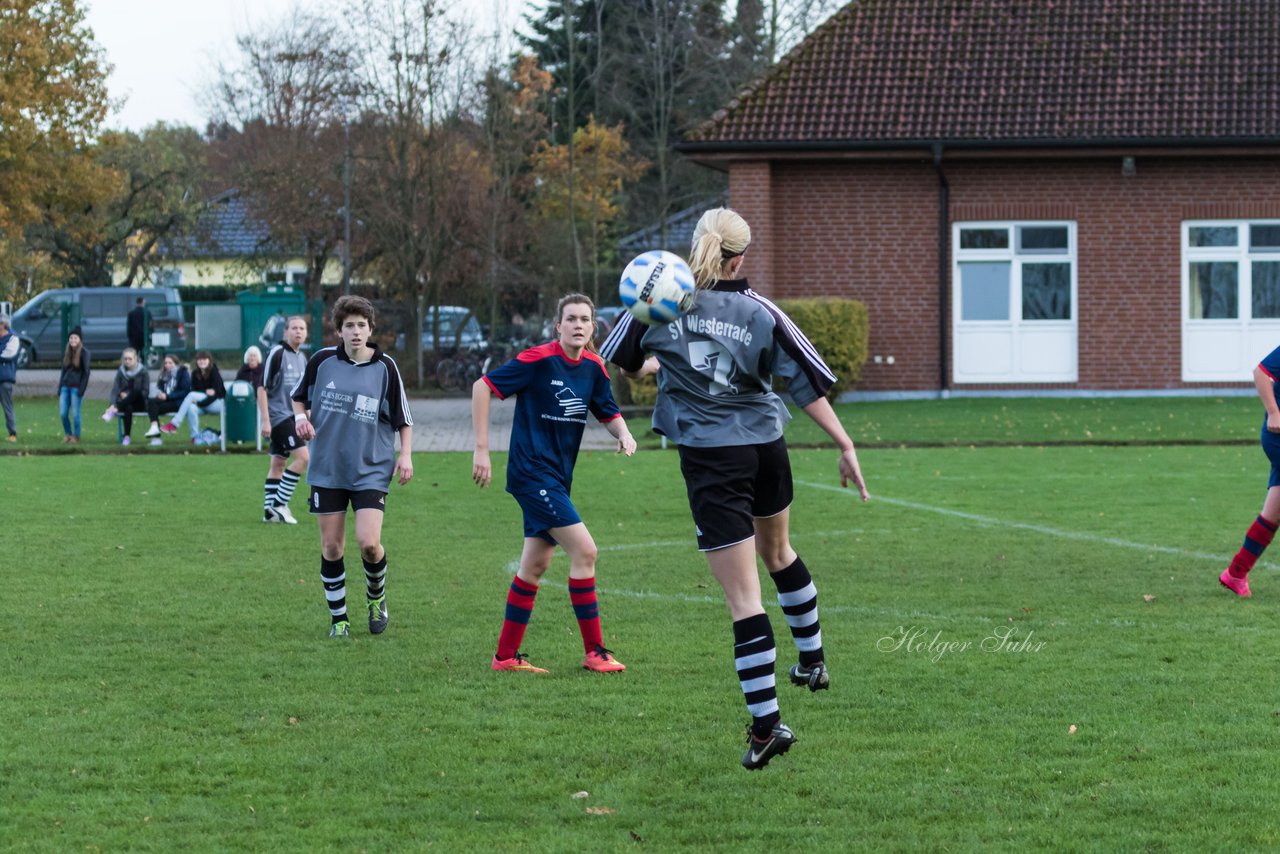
(606, 318)
(459, 328)
(273, 333)
(102, 314)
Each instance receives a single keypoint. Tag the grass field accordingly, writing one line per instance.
(1029, 651)
(960, 422)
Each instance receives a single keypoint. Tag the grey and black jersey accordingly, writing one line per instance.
(356, 410)
(718, 363)
(280, 374)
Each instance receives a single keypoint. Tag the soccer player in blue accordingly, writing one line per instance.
(1235, 577)
(557, 385)
(350, 404)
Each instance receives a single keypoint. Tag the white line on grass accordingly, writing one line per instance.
(1026, 526)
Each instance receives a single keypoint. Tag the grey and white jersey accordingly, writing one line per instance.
(280, 374)
(718, 363)
(356, 410)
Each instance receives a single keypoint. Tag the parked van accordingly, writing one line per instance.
(102, 315)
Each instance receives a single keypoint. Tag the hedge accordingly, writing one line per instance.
(837, 327)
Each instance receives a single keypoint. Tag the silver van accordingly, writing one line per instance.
(102, 315)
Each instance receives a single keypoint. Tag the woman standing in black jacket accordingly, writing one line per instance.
(72, 384)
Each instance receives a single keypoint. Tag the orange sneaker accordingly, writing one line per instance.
(601, 660)
(516, 662)
(1238, 586)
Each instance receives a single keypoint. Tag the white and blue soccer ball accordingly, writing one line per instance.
(657, 287)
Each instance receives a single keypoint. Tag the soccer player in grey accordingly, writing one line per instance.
(351, 405)
(284, 367)
(715, 369)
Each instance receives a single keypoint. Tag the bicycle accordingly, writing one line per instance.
(459, 372)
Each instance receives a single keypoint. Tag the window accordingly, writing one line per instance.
(1231, 297)
(169, 278)
(293, 276)
(1015, 318)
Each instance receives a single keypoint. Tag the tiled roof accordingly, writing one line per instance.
(680, 227)
(1036, 71)
(225, 229)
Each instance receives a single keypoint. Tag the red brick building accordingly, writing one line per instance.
(1027, 195)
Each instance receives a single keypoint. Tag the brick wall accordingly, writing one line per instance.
(868, 230)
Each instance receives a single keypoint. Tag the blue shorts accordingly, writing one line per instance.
(545, 509)
(1271, 447)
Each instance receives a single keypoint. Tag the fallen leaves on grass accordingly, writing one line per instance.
(1071, 730)
(577, 796)
(1147, 597)
(600, 811)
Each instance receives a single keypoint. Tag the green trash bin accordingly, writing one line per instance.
(242, 412)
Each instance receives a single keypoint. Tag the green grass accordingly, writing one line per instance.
(960, 421)
(169, 684)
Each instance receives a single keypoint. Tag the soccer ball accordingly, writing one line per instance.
(657, 287)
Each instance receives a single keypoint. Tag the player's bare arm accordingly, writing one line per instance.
(618, 429)
(481, 466)
(850, 471)
(302, 423)
(650, 366)
(404, 463)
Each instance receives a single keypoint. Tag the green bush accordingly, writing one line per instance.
(839, 329)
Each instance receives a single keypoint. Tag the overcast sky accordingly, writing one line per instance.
(164, 50)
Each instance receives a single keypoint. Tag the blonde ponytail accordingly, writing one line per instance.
(720, 235)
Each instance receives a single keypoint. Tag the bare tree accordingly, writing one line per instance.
(278, 121)
(415, 196)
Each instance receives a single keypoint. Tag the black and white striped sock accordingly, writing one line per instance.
(269, 493)
(799, 600)
(753, 656)
(375, 576)
(288, 482)
(334, 575)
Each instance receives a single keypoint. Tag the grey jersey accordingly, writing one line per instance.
(718, 364)
(356, 410)
(280, 373)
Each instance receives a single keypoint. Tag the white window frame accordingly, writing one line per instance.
(1010, 342)
(1225, 349)
(293, 276)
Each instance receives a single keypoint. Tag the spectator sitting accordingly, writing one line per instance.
(205, 397)
(252, 368)
(172, 387)
(128, 392)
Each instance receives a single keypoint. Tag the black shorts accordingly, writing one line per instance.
(325, 500)
(730, 487)
(284, 438)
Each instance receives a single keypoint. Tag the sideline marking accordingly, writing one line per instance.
(1026, 526)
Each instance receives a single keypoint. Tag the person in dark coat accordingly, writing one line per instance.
(137, 326)
(73, 382)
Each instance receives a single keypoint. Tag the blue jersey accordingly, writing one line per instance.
(1271, 365)
(554, 394)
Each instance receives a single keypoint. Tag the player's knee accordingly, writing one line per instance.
(331, 550)
(369, 552)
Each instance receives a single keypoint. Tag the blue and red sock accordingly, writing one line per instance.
(519, 608)
(1256, 541)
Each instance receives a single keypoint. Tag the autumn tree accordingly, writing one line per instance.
(588, 191)
(154, 193)
(421, 171)
(53, 98)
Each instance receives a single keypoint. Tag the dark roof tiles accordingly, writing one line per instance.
(1020, 70)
